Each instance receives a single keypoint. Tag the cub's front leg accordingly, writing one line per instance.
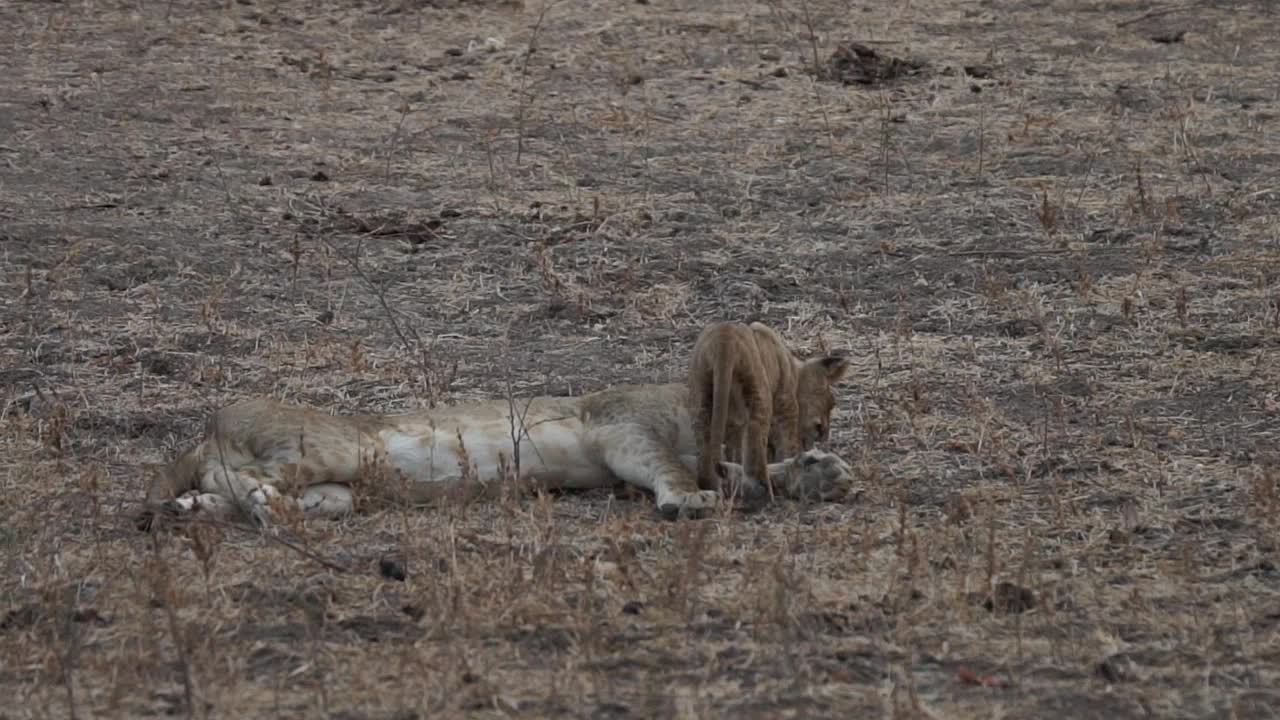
(784, 431)
(756, 452)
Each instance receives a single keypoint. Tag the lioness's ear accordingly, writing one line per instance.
(835, 366)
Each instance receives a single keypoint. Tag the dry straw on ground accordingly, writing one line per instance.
(1046, 232)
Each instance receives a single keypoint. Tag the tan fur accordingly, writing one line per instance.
(749, 389)
(260, 440)
(259, 456)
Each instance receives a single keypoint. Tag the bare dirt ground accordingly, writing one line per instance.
(1046, 232)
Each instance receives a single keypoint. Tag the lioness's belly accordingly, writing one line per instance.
(457, 452)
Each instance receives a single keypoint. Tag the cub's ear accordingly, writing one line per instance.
(835, 366)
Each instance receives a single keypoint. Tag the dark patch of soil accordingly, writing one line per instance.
(854, 63)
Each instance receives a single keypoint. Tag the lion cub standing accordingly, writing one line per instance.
(746, 386)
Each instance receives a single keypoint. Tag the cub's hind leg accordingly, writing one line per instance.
(713, 368)
(756, 450)
(784, 430)
(736, 426)
(701, 398)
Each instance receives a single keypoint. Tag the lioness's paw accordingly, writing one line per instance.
(736, 483)
(691, 505)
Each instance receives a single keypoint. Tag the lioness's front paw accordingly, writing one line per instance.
(736, 484)
(690, 505)
(749, 492)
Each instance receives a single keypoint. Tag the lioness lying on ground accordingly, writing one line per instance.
(748, 388)
(261, 456)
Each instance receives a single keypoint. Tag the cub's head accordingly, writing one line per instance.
(815, 380)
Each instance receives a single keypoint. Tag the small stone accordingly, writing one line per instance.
(393, 569)
(1010, 598)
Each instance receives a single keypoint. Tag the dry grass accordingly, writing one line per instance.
(1050, 245)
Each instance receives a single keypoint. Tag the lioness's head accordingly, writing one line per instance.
(815, 380)
(817, 475)
(813, 475)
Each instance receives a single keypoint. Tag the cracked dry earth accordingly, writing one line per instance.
(1046, 234)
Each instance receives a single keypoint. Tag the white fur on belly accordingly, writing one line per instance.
(551, 452)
